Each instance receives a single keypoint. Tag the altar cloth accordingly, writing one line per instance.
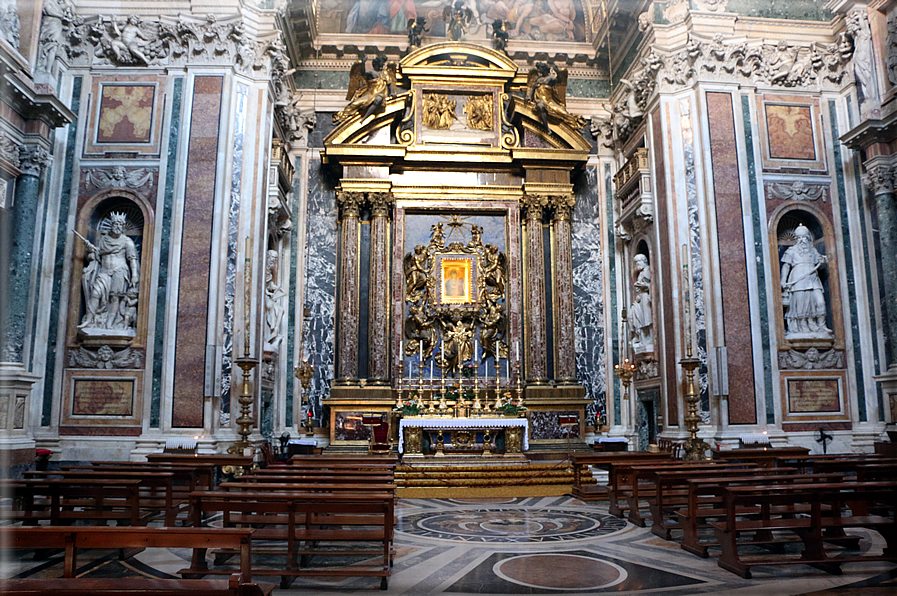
(461, 423)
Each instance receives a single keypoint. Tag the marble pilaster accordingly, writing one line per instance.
(534, 292)
(33, 159)
(378, 310)
(347, 306)
(562, 255)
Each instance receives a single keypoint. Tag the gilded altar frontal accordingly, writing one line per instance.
(459, 231)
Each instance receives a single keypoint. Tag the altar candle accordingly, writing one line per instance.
(476, 349)
(485, 371)
(420, 345)
(431, 370)
(517, 350)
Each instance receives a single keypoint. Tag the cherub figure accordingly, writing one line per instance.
(368, 91)
(457, 18)
(129, 42)
(500, 35)
(416, 30)
(547, 89)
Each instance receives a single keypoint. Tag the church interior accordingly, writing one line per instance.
(455, 282)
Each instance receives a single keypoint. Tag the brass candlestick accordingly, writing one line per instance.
(304, 372)
(245, 421)
(694, 447)
(477, 405)
(625, 373)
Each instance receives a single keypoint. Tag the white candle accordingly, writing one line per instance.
(517, 350)
(485, 371)
(476, 349)
(431, 370)
(420, 345)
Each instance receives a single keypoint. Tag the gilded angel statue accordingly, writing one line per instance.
(369, 90)
(456, 18)
(547, 89)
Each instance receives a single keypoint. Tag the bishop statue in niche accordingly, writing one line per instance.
(110, 278)
(802, 293)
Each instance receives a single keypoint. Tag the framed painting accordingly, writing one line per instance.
(456, 279)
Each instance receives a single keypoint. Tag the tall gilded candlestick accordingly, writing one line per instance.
(245, 422)
(694, 447)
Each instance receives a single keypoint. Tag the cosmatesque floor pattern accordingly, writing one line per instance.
(534, 545)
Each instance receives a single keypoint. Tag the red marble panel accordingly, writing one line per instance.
(732, 260)
(790, 131)
(666, 273)
(193, 291)
(126, 114)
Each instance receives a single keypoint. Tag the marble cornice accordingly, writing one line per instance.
(871, 131)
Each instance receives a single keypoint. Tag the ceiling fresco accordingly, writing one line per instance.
(528, 20)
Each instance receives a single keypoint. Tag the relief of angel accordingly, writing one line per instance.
(368, 91)
(547, 89)
(419, 331)
(493, 273)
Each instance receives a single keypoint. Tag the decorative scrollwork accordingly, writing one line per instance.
(455, 328)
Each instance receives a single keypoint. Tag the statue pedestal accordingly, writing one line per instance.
(94, 337)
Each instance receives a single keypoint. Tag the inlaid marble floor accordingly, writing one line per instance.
(550, 545)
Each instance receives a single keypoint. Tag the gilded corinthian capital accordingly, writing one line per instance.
(349, 202)
(381, 203)
(563, 207)
(534, 205)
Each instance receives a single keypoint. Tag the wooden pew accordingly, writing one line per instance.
(300, 521)
(811, 529)
(762, 456)
(669, 492)
(155, 494)
(581, 461)
(72, 538)
(63, 501)
(134, 587)
(196, 474)
(706, 503)
(623, 482)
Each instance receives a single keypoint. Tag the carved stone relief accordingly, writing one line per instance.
(33, 159)
(796, 191)
(105, 357)
(812, 359)
(10, 25)
(119, 177)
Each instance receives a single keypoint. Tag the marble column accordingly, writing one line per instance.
(347, 300)
(881, 179)
(32, 161)
(378, 309)
(562, 302)
(534, 290)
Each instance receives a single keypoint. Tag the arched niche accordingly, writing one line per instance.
(94, 219)
(782, 224)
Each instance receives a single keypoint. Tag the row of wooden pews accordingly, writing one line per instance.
(753, 508)
(307, 513)
(300, 511)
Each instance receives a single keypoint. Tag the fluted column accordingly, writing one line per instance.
(880, 179)
(32, 161)
(534, 289)
(347, 302)
(378, 310)
(562, 294)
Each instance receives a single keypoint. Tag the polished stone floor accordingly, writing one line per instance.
(535, 545)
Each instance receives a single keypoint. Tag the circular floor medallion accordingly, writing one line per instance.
(510, 524)
(560, 572)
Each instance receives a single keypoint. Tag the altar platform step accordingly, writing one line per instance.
(482, 478)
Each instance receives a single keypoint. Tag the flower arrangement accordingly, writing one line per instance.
(511, 406)
(468, 370)
(408, 408)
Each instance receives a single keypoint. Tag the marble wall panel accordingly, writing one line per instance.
(588, 292)
(544, 425)
(320, 284)
(665, 225)
(696, 262)
(230, 271)
(733, 262)
(196, 246)
(59, 260)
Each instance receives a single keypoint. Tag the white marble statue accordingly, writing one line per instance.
(110, 279)
(641, 316)
(863, 56)
(129, 43)
(274, 304)
(57, 16)
(10, 25)
(802, 293)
